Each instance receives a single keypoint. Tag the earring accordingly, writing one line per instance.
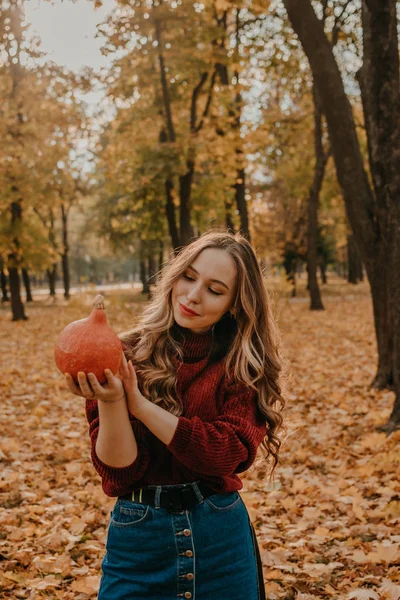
(232, 313)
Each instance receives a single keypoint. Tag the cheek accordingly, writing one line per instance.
(176, 290)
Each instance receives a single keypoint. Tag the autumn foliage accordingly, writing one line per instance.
(328, 525)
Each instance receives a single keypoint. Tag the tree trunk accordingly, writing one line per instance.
(185, 190)
(294, 287)
(240, 197)
(3, 283)
(355, 264)
(322, 268)
(65, 252)
(14, 130)
(143, 268)
(394, 282)
(161, 256)
(169, 124)
(384, 334)
(143, 277)
(379, 84)
(228, 216)
(321, 158)
(186, 230)
(170, 212)
(240, 183)
(51, 277)
(27, 284)
(367, 216)
(167, 134)
(152, 269)
(234, 113)
(169, 202)
(17, 308)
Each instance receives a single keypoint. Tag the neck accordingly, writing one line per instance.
(194, 345)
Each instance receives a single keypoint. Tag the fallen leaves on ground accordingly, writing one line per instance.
(327, 525)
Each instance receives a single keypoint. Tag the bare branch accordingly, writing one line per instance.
(208, 103)
(195, 96)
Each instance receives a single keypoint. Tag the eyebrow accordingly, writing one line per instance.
(215, 280)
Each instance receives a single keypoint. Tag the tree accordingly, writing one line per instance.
(39, 116)
(373, 211)
(321, 158)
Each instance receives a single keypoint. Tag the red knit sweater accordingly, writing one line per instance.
(217, 437)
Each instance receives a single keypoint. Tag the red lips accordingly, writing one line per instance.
(188, 310)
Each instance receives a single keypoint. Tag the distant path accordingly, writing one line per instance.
(87, 288)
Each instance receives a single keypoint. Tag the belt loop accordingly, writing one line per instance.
(133, 496)
(157, 496)
(197, 491)
(140, 495)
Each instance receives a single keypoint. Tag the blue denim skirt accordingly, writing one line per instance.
(209, 552)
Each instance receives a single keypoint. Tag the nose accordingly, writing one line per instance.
(194, 293)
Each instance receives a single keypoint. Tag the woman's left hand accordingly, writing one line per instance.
(88, 387)
(136, 400)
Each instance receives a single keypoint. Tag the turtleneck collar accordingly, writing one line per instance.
(194, 345)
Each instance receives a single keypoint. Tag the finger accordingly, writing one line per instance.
(95, 384)
(131, 368)
(72, 386)
(110, 377)
(124, 365)
(84, 385)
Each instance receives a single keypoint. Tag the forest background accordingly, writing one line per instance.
(278, 119)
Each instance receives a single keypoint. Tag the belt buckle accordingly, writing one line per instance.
(175, 500)
(171, 500)
(189, 497)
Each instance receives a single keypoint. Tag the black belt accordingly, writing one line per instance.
(173, 499)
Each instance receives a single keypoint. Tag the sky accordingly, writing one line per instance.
(67, 29)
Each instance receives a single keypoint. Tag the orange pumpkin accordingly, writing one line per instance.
(89, 345)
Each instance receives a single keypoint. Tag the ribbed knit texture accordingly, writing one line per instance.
(217, 436)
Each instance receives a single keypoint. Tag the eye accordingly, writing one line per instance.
(185, 276)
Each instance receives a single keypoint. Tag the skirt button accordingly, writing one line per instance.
(189, 553)
(187, 532)
(188, 594)
(190, 576)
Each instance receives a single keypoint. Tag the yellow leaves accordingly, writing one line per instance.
(337, 506)
(363, 594)
(52, 564)
(327, 526)
(86, 585)
(387, 553)
(373, 441)
(299, 485)
(222, 5)
(392, 509)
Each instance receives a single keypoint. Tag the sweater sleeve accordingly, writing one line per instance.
(117, 481)
(226, 445)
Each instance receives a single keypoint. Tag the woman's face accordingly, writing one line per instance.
(207, 287)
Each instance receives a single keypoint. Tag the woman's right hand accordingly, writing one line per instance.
(89, 387)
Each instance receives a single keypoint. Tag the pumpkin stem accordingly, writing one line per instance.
(99, 302)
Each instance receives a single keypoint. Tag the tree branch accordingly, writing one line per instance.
(208, 103)
(40, 217)
(195, 96)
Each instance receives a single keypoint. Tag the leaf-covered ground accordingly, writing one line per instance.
(328, 526)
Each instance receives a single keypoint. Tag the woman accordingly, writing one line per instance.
(186, 416)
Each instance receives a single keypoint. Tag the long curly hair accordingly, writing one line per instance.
(249, 342)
